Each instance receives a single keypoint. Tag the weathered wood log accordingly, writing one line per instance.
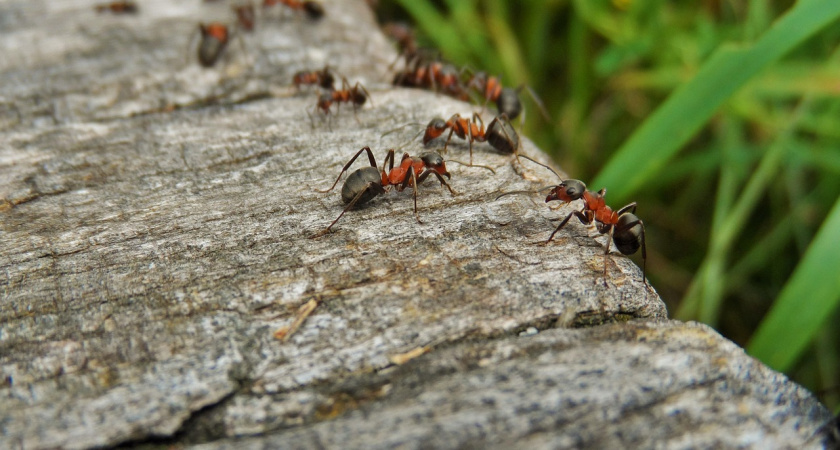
(155, 256)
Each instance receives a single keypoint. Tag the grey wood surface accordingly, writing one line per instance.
(155, 232)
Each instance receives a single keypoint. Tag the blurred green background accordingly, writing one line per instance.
(720, 118)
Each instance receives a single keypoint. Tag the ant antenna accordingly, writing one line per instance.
(523, 192)
(400, 128)
(536, 100)
(472, 165)
(541, 164)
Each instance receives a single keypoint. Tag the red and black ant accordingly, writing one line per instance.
(357, 95)
(507, 99)
(323, 78)
(314, 10)
(123, 7)
(623, 227)
(246, 16)
(215, 37)
(366, 183)
(500, 134)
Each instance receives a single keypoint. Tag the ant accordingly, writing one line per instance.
(357, 95)
(323, 78)
(122, 7)
(624, 228)
(366, 183)
(506, 99)
(214, 38)
(314, 10)
(245, 15)
(500, 134)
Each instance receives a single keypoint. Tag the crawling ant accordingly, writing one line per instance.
(500, 134)
(623, 227)
(214, 38)
(366, 183)
(507, 99)
(314, 10)
(123, 7)
(245, 15)
(323, 78)
(357, 95)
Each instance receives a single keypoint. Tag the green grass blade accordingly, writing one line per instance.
(805, 302)
(685, 112)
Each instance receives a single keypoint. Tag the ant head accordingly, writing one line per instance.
(502, 136)
(508, 103)
(434, 129)
(314, 10)
(567, 191)
(434, 161)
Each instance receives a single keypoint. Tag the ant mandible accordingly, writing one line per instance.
(623, 227)
(314, 10)
(323, 78)
(500, 134)
(366, 183)
(357, 95)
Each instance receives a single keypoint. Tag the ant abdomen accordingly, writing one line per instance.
(361, 180)
(502, 136)
(628, 240)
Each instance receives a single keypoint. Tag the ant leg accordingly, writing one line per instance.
(349, 163)
(451, 130)
(443, 182)
(562, 224)
(644, 247)
(607, 252)
(578, 214)
(389, 160)
(631, 207)
(311, 122)
(368, 185)
(536, 100)
(410, 176)
(360, 86)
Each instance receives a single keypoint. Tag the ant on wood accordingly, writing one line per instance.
(323, 78)
(357, 95)
(314, 10)
(214, 38)
(366, 183)
(623, 227)
(500, 134)
(121, 7)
